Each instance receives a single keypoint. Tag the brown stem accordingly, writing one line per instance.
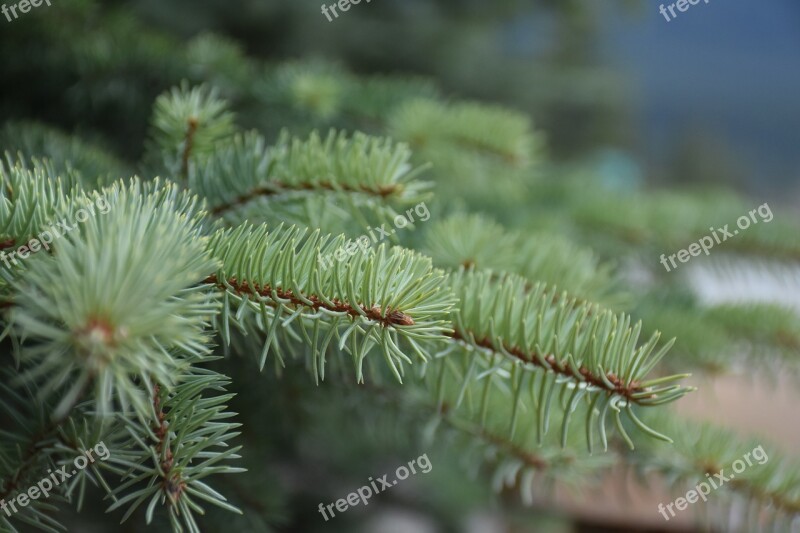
(393, 317)
(188, 145)
(619, 388)
(743, 485)
(172, 484)
(529, 458)
(777, 500)
(279, 187)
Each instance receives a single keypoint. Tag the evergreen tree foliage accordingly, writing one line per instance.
(241, 269)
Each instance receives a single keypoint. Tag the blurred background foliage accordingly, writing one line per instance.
(693, 101)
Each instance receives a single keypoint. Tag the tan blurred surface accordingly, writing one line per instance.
(749, 406)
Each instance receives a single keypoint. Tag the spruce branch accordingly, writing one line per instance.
(660, 221)
(30, 195)
(33, 442)
(187, 124)
(119, 301)
(760, 324)
(525, 466)
(469, 127)
(27, 434)
(279, 280)
(67, 155)
(486, 410)
(371, 98)
(591, 355)
(374, 170)
(767, 482)
(476, 241)
(184, 440)
(722, 338)
(125, 306)
(220, 61)
(318, 91)
(314, 88)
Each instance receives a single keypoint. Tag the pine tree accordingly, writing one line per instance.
(134, 306)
